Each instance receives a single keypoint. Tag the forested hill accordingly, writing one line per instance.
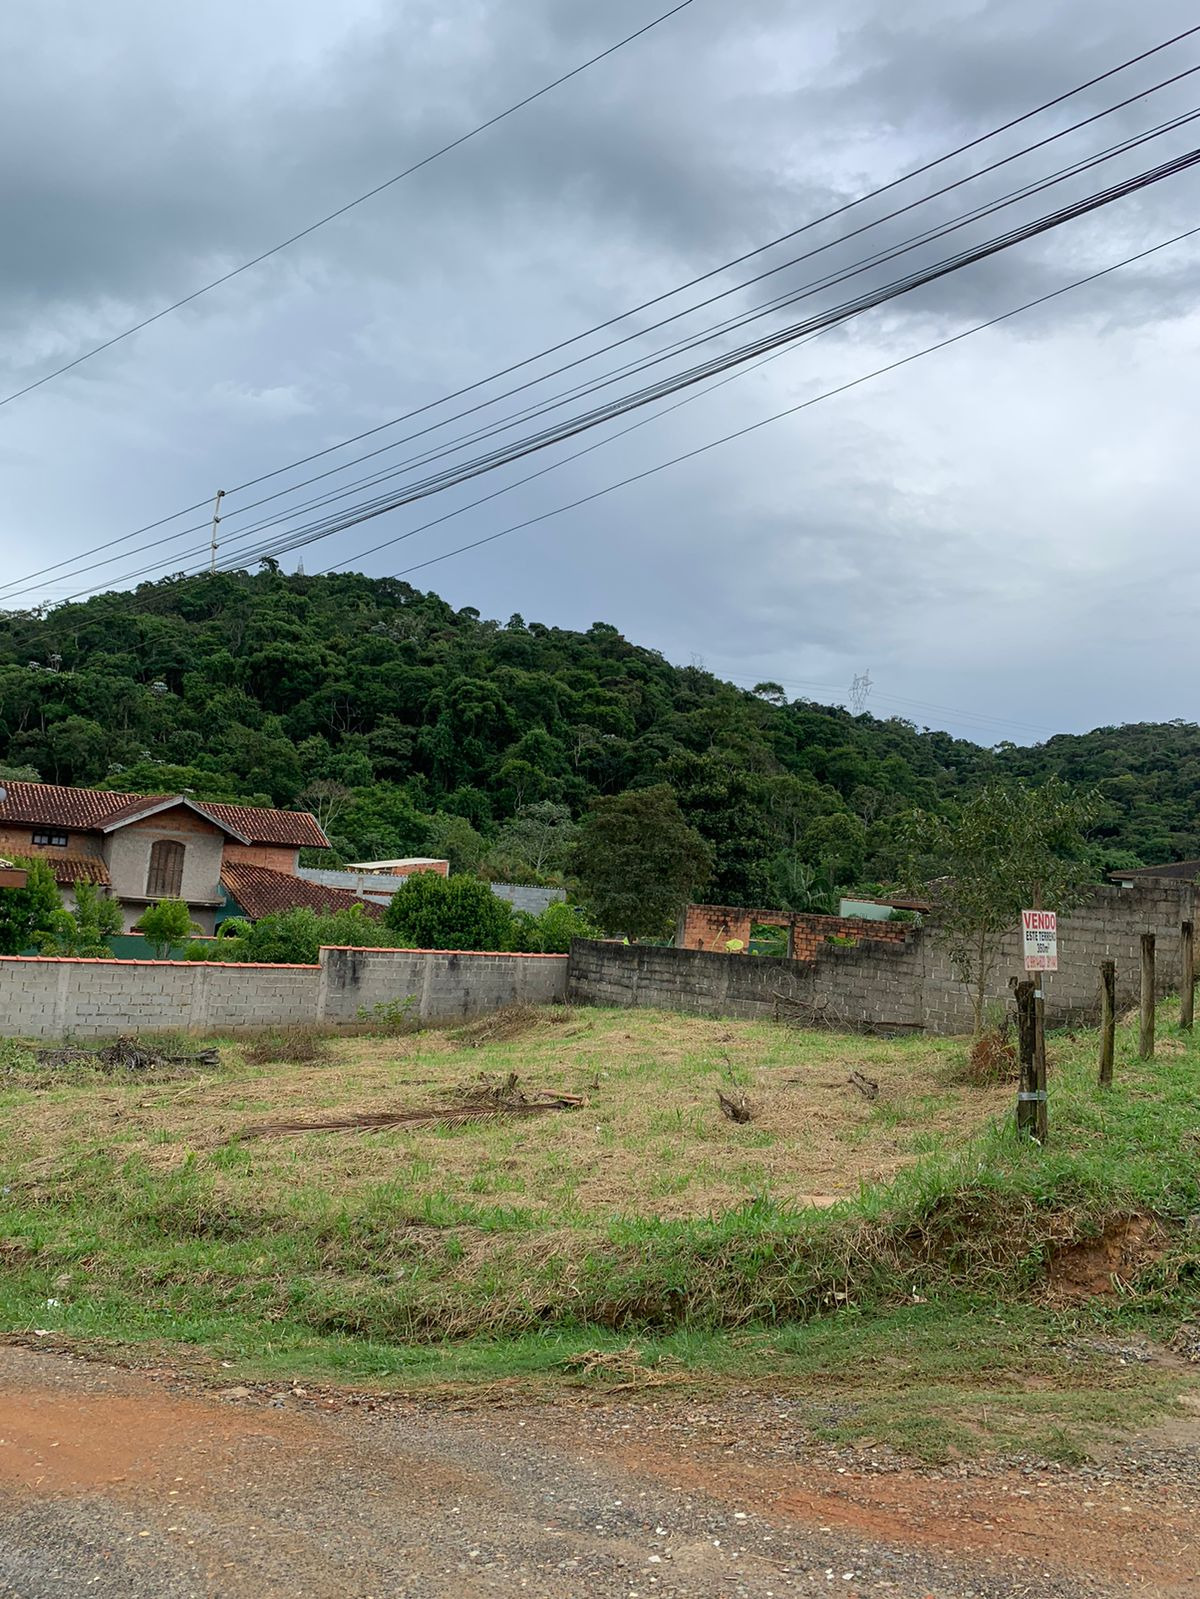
(414, 728)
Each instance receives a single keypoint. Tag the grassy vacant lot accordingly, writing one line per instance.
(908, 1251)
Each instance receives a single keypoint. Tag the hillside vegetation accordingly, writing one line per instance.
(411, 727)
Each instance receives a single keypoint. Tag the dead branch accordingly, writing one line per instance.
(737, 1110)
(480, 1111)
(867, 1086)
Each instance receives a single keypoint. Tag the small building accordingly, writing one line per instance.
(406, 866)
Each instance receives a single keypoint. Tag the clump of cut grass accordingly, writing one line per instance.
(296, 1046)
(991, 1060)
(510, 1022)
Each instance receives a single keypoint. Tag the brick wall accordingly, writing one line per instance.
(49, 998)
(277, 857)
(711, 927)
(902, 981)
(19, 841)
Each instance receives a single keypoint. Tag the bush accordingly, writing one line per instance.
(432, 912)
(292, 938)
(165, 925)
(551, 932)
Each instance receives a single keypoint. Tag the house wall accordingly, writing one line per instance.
(47, 998)
(128, 858)
(278, 857)
(19, 841)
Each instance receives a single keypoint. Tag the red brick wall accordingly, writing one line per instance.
(278, 857)
(442, 868)
(18, 841)
(711, 927)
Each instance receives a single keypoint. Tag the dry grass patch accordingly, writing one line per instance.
(649, 1139)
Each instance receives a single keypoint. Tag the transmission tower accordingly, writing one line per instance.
(860, 692)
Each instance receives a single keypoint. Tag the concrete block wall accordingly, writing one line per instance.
(861, 985)
(444, 984)
(1109, 926)
(57, 998)
(903, 982)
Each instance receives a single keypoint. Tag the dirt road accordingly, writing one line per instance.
(117, 1483)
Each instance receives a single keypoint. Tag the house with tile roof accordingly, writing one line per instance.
(140, 848)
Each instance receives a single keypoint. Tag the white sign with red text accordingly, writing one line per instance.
(1039, 930)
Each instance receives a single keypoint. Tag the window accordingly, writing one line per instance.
(44, 837)
(165, 877)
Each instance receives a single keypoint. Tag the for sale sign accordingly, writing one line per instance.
(1039, 931)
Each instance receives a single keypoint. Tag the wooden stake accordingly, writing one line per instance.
(1146, 1034)
(1187, 975)
(1108, 1020)
(1027, 1100)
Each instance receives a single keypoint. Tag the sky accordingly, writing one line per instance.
(1001, 532)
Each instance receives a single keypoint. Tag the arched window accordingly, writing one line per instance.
(165, 877)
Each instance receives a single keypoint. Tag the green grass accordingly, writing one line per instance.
(908, 1311)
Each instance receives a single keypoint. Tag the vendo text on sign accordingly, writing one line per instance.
(1039, 933)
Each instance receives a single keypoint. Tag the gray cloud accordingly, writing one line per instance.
(916, 524)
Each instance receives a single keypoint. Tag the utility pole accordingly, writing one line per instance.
(212, 551)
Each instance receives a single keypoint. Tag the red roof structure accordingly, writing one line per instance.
(94, 810)
(258, 891)
(71, 869)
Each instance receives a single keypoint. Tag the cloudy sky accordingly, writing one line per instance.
(1002, 531)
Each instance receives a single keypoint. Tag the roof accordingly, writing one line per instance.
(69, 869)
(1185, 871)
(259, 891)
(94, 810)
(393, 866)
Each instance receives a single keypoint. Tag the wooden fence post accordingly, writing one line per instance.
(1146, 1033)
(1027, 1095)
(1108, 1020)
(1187, 975)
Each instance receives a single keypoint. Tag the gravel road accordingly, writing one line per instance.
(135, 1484)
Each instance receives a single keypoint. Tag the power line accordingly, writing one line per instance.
(803, 405)
(341, 211)
(661, 298)
(572, 426)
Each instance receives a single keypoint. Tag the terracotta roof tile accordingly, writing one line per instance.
(70, 869)
(87, 809)
(259, 891)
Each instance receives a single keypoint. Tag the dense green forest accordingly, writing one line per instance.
(413, 728)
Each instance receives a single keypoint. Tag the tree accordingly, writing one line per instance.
(27, 914)
(166, 925)
(535, 843)
(453, 839)
(638, 862)
(432, 912)
(1007, 848)
(85, 931)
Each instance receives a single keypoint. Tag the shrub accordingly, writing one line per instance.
(294, 938)
(165, 925)
(551, 932)
(432, 912)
